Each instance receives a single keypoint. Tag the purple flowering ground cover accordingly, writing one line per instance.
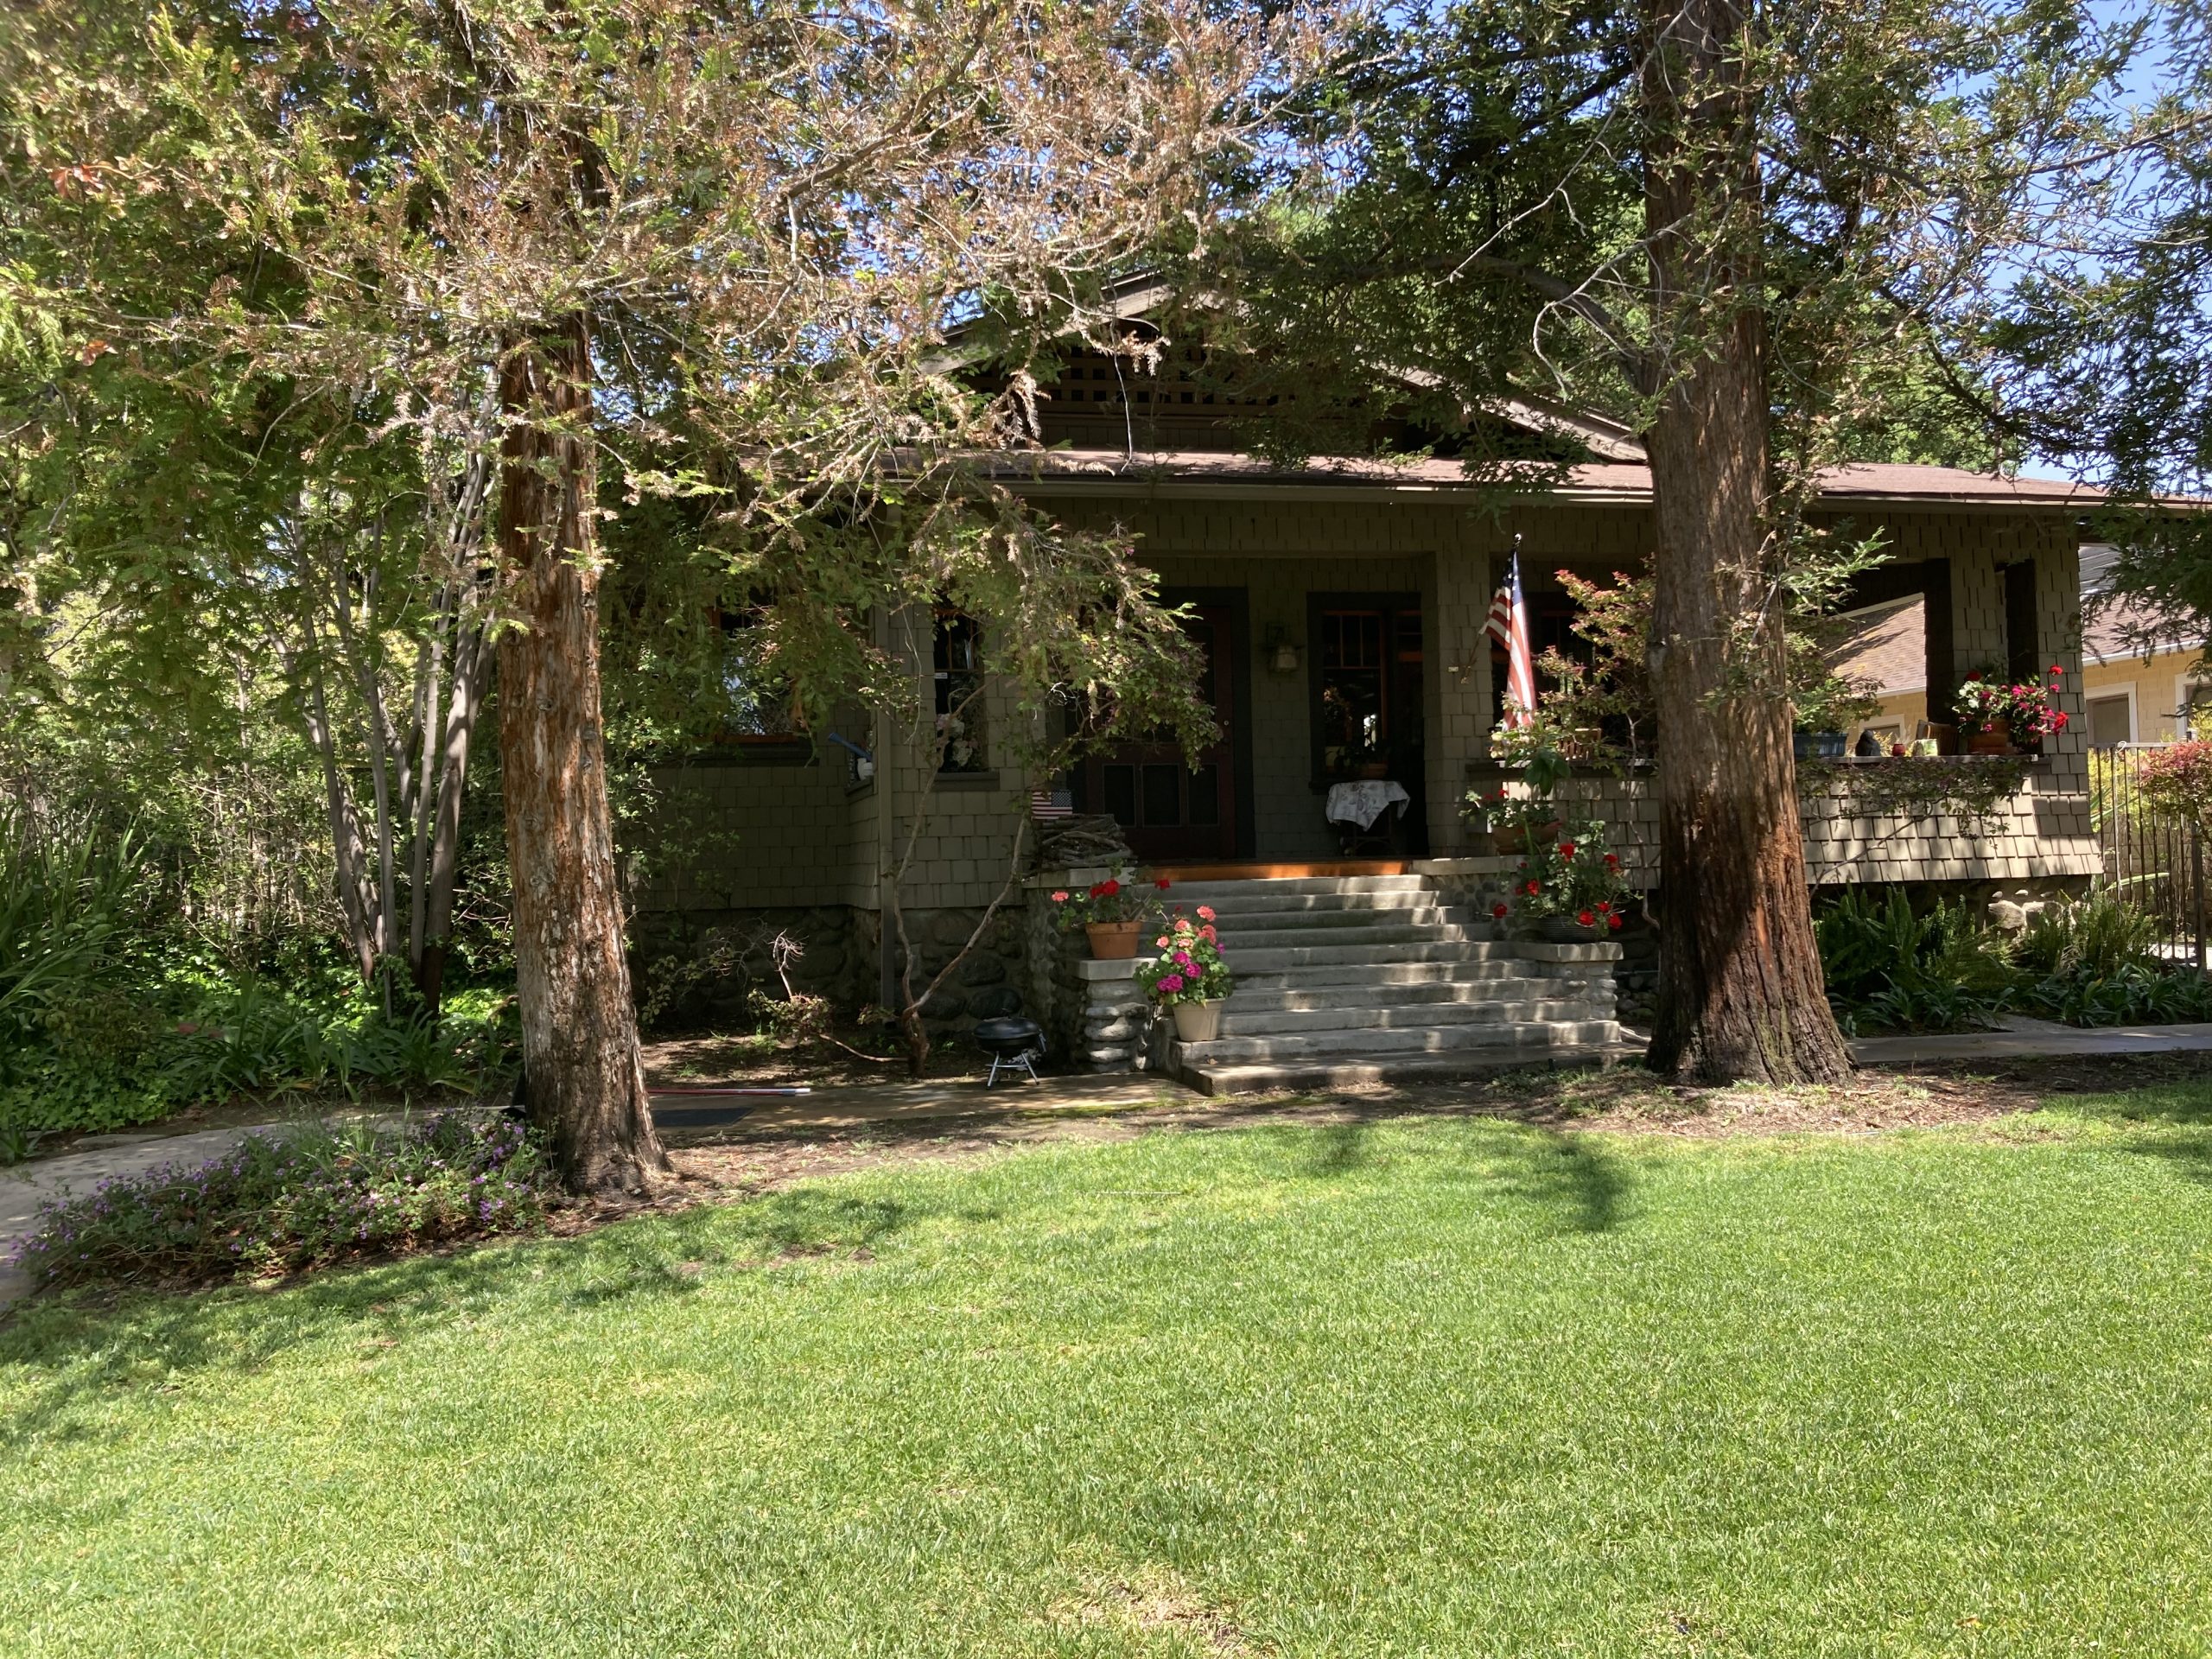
(300, 1198)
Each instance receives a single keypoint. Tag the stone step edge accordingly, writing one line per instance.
(1254, 1076)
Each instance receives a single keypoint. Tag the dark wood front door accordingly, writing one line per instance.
(1168, 810)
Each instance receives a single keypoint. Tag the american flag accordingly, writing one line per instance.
(1508, 625)
(1051, 804)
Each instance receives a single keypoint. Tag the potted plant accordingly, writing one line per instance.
(2004, 716)
(1188, 976)
(1570, 887)
(1539, 748)
(1111, 914)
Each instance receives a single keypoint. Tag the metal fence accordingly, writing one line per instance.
(2153, 861)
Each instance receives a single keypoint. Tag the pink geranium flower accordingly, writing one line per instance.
(1205, 912)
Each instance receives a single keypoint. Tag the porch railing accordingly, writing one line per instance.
(2154, 862)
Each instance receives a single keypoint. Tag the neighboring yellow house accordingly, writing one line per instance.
(2131, 696)
(2127, 696)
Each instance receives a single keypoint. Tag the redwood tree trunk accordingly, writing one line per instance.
(1741, 994)
(584, 1079)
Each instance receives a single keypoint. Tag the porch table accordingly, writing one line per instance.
(1362, 803)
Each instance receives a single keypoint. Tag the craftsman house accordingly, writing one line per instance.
(1340, 605)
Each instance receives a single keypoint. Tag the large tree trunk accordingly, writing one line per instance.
(1740, 996)
(584, 1080)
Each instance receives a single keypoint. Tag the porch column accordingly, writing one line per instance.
(1458, 715)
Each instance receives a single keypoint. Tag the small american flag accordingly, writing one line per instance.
(1051, 804)
(1508, 625)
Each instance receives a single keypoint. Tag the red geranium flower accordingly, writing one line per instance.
(1535, 886)
(1615, 919)
(1567, 850)
(1612, 861)
(1584, 918)
(1107, 888)
(1161, 884)
(1497, 911)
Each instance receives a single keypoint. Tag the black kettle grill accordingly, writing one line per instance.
(1010, 1042)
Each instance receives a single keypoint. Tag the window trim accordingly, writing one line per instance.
(1391, 605)
(2096, 695)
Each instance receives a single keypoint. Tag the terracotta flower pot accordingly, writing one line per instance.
(1197, 1022)
(1995, 738)
(1113, 941)
(1514, 838)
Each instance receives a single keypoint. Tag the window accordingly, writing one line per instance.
(2192, 707)
(958, 669)
(1367, 667)
(2112, 721)
(756, 709)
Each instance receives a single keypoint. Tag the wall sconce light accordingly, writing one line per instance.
(1280, 653)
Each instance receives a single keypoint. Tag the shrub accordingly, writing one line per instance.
(279, 1202)
(1571, 873)
(2177, 782)
(2095, 962)
(114, 1059)
(1890, 967)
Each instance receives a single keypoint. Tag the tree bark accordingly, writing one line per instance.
(1740, 994)
(584, 1078)
(465, 698)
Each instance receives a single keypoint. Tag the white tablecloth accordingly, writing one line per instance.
(1364, 802)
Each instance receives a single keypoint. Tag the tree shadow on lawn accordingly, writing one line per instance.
(82, 1349)
(1573, 1178)
(93, 1345)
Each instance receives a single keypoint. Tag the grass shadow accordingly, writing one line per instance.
(1574, 1177)
(88, 1345)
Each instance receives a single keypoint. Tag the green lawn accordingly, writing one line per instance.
(1429, 1387)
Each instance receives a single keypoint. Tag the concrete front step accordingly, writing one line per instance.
(1338, 1071)
(1421, 1040)
(1316, 904)
(1380, 940)
(1216, 892)
(1343, 1021)
(1397, 970)
(1496, 984)
(1278, 959)
(1235, 924)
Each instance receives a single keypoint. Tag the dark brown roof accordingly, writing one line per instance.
(1627, 483)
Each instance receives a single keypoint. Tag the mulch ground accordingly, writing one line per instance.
(1623, 1100)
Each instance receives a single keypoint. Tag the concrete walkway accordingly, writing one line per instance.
(2028, 1040)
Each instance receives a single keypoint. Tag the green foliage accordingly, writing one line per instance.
(1890, 967)
(1570, 873)
(2089, 962)
(2095, 962)
(113, 1011)
(301, 1198)
(64, 890)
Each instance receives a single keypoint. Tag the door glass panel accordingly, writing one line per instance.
(1163, 788)
(1120, 793)
(1205, 795)
(1352, 727)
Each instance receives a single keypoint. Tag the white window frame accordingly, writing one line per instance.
(2106, 694)
(2184, 682)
